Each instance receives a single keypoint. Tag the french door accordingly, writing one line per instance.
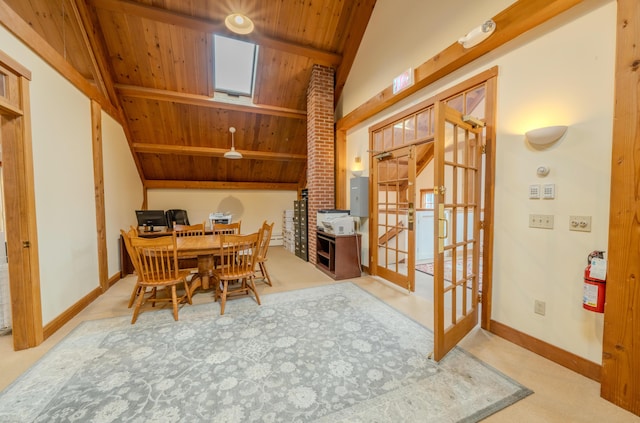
(457, 179)
(395, 177)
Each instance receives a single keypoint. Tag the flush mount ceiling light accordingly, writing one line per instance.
(478, 34)
(232, 154)
(239, 23)
(544, 136)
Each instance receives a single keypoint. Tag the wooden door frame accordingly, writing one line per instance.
(373, 226)
(489, 79)
(20, 209)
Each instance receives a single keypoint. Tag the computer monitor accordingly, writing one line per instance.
(151, 218)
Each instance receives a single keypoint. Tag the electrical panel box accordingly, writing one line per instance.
(359, 196)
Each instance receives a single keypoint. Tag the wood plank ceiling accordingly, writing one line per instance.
(153, 59)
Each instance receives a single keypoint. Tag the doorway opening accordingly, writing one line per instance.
(424, 230)
(5, 293)
(19, 205)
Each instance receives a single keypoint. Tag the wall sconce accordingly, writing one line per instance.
(478, 34)
(357, 168)
(545, 136)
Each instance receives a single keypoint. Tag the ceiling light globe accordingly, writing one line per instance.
(239, 23)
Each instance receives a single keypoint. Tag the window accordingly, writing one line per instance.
(3, 90)
(426, 199)
(234, 66)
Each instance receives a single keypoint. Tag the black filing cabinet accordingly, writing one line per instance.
(301, 229)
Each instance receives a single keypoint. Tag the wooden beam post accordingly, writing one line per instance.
(620, 348)
(98, 181)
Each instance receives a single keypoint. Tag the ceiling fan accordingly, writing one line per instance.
(232, 154)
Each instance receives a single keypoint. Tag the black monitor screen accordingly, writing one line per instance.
(151, 218)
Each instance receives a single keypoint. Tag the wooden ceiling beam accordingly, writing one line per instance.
(25, 33)
(213, 152)
(95, 49)
(168, 184)
(101, 68)
(515, 20)
(204, 101)
(157, 14)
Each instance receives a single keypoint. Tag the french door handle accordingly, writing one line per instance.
(445, 229)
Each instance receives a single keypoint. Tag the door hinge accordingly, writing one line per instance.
(439, 190)
(484, 148)
(26, 244)
(482, 224)
(479, 298)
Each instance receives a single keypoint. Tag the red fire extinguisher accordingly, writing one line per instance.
(594, 288)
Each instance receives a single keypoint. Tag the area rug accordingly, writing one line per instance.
(329, 354)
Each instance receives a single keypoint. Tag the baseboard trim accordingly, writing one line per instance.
(113, 279)
(564, 358)
(51, 327)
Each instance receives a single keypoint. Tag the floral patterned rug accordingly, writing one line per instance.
(329, 354)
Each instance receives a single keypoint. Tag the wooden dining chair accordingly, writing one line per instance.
(187, 262)
(263, 246)
(158, 269)
(190, 262)
(189, 230)
(227, 228)
(126, 237)
(238, 254)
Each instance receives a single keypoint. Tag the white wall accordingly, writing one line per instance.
(558, 73)
(63, 171)
(252, 207)
(64, 184)
(122, 187)
(405, 33)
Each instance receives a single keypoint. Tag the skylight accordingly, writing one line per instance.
(234, 65)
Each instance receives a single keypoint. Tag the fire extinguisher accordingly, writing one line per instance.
(594, 288)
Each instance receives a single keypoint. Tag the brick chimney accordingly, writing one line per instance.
(320, 148)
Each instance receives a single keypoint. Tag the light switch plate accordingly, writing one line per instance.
(549, 191)
(534, 191)
(541, 221)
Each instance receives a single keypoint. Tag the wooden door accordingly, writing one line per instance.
(394, 189)
(458, 149)
(19, 201)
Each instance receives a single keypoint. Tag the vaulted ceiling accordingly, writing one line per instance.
(153, 61)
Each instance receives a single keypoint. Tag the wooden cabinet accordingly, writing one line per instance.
(338, 255)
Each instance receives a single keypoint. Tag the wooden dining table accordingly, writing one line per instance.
(205, 247)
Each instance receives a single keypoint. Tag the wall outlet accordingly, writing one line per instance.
(543, 221)
(539, 307)
(580, 223)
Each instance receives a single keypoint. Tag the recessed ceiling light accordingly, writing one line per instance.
(239, 23)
